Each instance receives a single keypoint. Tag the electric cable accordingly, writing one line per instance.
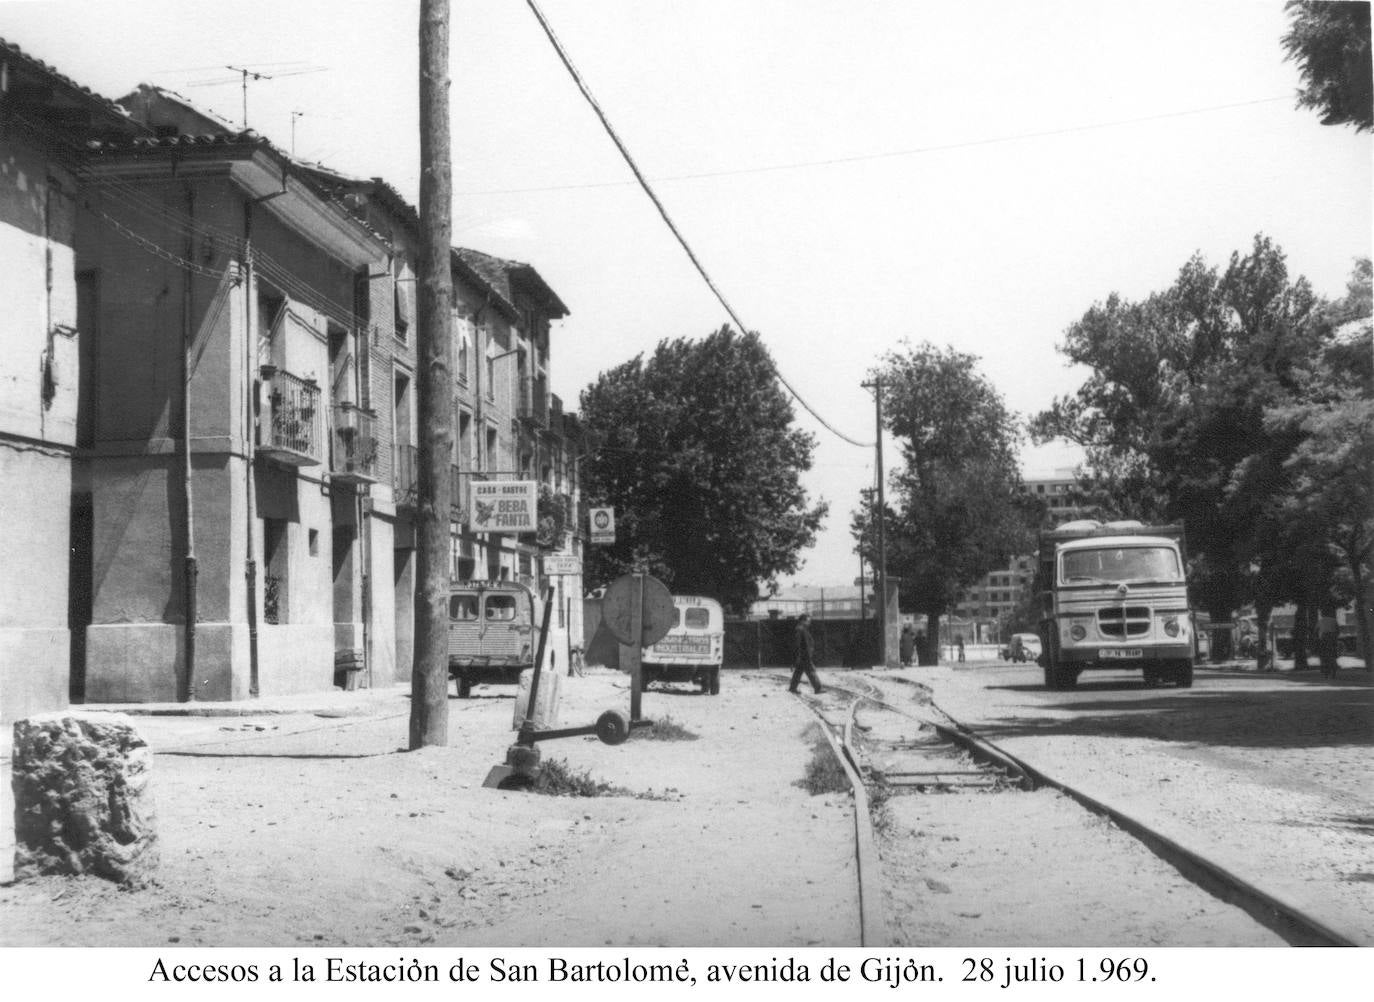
(648, 190)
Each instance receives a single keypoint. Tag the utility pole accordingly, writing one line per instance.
(880, 572)
(434, 343)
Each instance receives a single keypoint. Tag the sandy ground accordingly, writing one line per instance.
(1267, 774)
(313, 828)
(299, 829)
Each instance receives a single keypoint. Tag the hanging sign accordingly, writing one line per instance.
(603, 525)
(558, 564)
(504, 506)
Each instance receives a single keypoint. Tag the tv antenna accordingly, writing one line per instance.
(246, 73)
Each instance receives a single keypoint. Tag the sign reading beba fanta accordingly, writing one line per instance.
(504, 506)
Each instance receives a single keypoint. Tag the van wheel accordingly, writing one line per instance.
(464, 687)
(715, 681)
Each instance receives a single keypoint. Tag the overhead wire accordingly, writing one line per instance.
(663, 212)
(891, 154)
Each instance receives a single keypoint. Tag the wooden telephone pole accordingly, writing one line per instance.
(434, 342)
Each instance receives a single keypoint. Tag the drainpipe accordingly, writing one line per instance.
(192, 570)
(250, 351)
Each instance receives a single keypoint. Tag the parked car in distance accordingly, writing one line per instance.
(1023, 647)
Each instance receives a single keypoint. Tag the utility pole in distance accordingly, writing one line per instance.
(434, 343)
(880, 571)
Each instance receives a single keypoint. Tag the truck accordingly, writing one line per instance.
(693, 648)
(1114, 595)
(493, 632)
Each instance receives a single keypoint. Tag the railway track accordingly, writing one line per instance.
(888, 749)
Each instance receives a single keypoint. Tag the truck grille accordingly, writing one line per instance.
(1124, 621)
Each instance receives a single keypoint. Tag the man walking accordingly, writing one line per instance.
(804, 656)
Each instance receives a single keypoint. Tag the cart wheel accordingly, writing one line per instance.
(612, 727)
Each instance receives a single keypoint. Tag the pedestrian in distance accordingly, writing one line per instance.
(804, 656)
(961, 647)
(908, 644)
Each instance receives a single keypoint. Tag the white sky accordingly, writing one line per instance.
(984, 241)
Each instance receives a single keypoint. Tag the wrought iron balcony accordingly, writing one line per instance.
(291, 427)
(354, 455)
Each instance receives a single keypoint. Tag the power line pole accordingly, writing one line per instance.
(434, 343)
(880, 572)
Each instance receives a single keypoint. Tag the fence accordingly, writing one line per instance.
(757, 643)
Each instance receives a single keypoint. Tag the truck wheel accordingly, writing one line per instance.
(715, 681)
(1064, 677)
(1183, 675)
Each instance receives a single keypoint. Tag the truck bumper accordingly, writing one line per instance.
(1093, 656)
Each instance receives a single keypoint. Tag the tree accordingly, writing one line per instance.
(958, 509)
(429, 674)
(695, 451)
(1331, 416)
(1173, 409)
(1331, 45)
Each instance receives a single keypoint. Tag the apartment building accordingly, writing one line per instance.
(227, 396)
(999, 592)
(45, 121)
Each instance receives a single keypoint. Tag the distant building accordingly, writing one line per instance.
(998, 593)
(830, 602)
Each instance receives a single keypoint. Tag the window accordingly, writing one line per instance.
(404, 302)
(276, 570)
(500, 608)
(462, 607)
(697, 618)
(463, 326)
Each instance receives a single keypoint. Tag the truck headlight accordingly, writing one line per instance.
(1078, 631)
(1171, 626)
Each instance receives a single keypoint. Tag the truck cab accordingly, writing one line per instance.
(1112, 596)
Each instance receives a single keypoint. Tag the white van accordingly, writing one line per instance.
(693, 648)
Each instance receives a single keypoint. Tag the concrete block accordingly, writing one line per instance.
(82, 803)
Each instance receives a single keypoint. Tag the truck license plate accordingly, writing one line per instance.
(1121, 653)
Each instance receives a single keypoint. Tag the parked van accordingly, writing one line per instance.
(693, 648)
(493, 632)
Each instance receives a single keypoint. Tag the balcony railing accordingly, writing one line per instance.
(354, 457)
(291, 430)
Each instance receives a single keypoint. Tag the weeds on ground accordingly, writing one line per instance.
(824, 774)
(558, 779)
(665, 729)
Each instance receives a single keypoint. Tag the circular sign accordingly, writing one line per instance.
(601, 519)
(618, 607)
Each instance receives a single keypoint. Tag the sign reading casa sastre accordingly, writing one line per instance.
(504, 506)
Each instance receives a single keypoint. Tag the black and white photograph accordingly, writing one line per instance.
(606, 495)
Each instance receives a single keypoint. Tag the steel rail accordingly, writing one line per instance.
(1285, 918)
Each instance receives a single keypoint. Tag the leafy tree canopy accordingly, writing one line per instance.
(694, 448)
(1331, 45)
(956, 508)
(1179, 417)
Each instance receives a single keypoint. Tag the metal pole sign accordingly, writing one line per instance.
(510, 506)
(560, 565)
(603, 525)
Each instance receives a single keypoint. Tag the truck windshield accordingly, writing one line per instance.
(1122, 563)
